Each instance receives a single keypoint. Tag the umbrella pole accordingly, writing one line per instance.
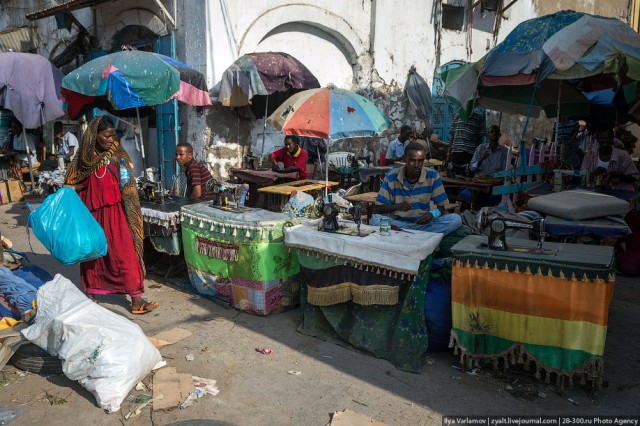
(26, 143)
(326, 176)
(144, 160)
(264, 129)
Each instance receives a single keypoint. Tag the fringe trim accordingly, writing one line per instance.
(257, 232)
(591, 370)
(216, 250)
(607, 278)
(358, 263)
(362, 295)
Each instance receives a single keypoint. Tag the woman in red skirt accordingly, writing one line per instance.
(95, 175)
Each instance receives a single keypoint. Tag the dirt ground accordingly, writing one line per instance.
(255, 389)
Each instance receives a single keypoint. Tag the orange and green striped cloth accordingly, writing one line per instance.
(551, 314)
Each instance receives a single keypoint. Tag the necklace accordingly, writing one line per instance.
(103, 173)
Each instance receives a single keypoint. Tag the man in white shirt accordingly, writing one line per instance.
(67, 141)
(21, 141)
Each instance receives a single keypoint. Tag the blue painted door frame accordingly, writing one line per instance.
(167, 120)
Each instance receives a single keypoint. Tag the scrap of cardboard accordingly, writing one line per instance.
(173, 386)
(169, 337)
(351, 418)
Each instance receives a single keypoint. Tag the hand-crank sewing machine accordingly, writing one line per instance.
(497, 233)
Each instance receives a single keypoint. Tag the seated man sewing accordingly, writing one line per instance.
(197, 174)
(491, 157)
(609, 166)
(406, 193)
(292, 156)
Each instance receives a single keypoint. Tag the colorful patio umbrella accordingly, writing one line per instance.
(30, 88)
(329, 113)
(132, 79)
(587, 52)
(263, 74)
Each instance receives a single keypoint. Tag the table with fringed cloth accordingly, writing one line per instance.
(240, 257)
(161, 223)
(366, 291)
(549, 312)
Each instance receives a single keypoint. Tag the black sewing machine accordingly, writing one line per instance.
(151, 190)
(497, 233)
(461, 170)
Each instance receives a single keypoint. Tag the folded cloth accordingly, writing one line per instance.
(17, 292)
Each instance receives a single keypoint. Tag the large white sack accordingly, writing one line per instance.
(107, 353)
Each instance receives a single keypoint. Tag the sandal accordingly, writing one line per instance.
(145, 308)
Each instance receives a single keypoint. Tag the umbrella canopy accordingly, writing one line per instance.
(329, 113)
(263, 74)
(419, 94)
(132, 79)
(30, 88)
(588, 52)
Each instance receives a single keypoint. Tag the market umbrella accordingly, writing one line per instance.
(329, 113)
(129, 80)
(263, 74)
(263, 80)
(30, 88)
(419, 94)
(587, 52)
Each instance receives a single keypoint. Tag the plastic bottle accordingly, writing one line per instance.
(124, 173)
(30, 207)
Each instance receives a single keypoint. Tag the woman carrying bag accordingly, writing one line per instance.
(95, 175)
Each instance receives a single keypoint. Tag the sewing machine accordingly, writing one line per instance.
(560, 178)
(151, 189)
(497, 233)
(454, 170)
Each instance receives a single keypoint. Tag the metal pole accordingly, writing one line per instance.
(26, 144)
(144, 160)
(264, 129)
(326, 161)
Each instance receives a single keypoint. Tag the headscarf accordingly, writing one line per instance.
(86, 162)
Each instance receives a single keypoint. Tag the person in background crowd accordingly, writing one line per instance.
(491, 157)
(292, 156)
(395, 151)
(66, 141)
(464, 137)
(609, 166)
(21, 141)
(94, 174)
(197, 174)
(406, 194)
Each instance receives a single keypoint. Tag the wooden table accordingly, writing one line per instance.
(260, 178)
(475, 187)
(277, 195)
(369, 199)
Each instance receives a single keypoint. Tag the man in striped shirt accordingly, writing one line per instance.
(407, 192)
(197, 174)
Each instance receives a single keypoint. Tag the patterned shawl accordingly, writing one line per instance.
(86, 162)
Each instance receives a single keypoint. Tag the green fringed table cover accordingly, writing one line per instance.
(240, 256)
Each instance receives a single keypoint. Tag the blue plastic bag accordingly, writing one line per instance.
(65, 226)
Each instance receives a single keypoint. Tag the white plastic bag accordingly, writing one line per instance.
(104, 351)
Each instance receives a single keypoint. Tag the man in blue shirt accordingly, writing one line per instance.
(395, 152)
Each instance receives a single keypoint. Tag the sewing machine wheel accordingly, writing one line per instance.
(497, 226)
(213, 186)
(318, 207)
